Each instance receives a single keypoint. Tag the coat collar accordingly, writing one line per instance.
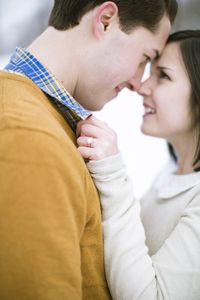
(169, 184)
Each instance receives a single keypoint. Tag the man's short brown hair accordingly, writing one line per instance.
(132, 13)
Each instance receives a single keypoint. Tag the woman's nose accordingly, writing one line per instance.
(145, 89)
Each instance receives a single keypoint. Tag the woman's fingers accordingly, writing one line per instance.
(84, 141)
(88, 147)
(96, 148)
(87, 153)
(96, 139)
(91, 121)
(94, 131)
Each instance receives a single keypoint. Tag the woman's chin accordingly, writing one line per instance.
(149, 132)
(145, 130)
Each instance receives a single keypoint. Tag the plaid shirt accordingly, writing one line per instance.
(26, 64)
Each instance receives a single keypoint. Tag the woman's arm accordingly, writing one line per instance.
(174, 271)
(129, 268)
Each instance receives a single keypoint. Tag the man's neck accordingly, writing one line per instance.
(55, 50)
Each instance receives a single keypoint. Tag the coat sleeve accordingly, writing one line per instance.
(42, 218)
(173, 272)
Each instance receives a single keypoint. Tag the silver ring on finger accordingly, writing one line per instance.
(90, 141)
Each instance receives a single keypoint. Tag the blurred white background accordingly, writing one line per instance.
(21, 21)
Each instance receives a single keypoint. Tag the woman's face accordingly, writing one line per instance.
(167, 96)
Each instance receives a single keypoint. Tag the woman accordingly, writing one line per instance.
(152, 247)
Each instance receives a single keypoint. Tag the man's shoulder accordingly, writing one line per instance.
(19, 95)
(24, 105)
(14, 81)
(26, 109)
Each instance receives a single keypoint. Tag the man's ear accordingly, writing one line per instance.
(104, 16)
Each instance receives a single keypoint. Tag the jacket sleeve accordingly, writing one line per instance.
(173, 272)
(42, 217)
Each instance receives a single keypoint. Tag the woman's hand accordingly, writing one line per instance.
(96, 140)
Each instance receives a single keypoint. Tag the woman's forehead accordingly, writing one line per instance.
(171, 55)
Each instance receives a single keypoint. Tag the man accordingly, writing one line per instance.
(50, 220)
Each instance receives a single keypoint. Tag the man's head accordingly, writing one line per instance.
(116, 39)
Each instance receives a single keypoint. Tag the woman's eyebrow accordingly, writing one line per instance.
(163, 68)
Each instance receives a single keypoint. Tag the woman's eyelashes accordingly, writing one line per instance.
(163, 75)
(159, 73)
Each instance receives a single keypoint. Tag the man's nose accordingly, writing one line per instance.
(134, 84)
(135, 81)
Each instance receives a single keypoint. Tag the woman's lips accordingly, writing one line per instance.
(148, 110)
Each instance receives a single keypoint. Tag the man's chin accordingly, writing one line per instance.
(96, 109)
(102, 105)
(99, 105)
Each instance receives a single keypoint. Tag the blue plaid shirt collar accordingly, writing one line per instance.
(26, 64)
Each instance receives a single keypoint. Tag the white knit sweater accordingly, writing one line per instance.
(153, 254)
